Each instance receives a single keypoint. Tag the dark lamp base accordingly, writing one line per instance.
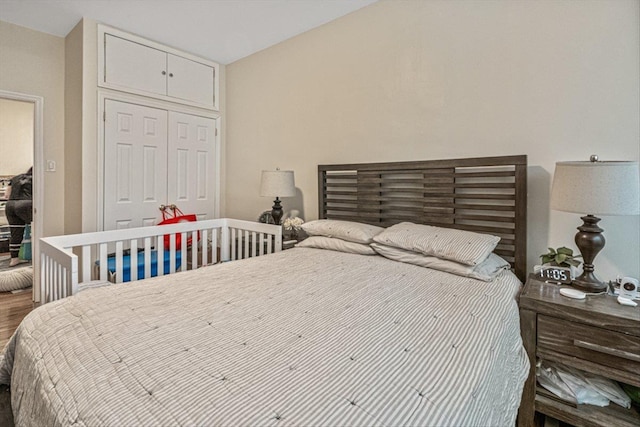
(276, 211)
(589, 241)
(589, 284)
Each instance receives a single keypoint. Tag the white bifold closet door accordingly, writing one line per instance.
(135, 165)
(156, 157)
(191, 164)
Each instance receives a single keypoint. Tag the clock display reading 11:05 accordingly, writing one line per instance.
(555, 274)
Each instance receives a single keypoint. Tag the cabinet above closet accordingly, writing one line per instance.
(133, 64)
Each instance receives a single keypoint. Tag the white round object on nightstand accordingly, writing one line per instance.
(572, 293)
(627, 301)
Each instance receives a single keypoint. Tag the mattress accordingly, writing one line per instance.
(300, 337)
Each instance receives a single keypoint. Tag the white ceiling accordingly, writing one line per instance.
(220, 30)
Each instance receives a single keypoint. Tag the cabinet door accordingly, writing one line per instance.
(136, 66)
(191, 169)
(135, 165)
(190, 80)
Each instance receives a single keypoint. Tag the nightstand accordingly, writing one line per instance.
(288, 244)
(596, 335)
(289, 241)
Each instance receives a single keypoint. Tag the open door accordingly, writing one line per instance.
(21, 147)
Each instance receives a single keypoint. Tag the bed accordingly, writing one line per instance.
(305, 336)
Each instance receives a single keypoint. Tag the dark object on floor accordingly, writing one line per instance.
(6, 415)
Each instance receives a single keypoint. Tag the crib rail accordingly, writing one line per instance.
(72, 261)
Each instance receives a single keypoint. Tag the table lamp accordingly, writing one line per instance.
(277, 184)
(595, 188)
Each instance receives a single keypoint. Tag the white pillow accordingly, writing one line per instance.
(345, 230)
(461, 246)
(333, 244)
(486, 271)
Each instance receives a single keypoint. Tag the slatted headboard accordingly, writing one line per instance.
(485, 195)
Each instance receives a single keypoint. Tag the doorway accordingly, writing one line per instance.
(21, 147)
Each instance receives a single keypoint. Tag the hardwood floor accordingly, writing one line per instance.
(13, 308)
(6, 415)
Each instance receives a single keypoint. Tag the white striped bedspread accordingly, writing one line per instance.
(304, 337)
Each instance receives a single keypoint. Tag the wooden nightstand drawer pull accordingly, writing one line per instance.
(607, 350)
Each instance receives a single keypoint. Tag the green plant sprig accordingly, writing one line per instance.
(562, 256)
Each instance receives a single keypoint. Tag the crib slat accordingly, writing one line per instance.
(183, 255)
(172, 254)
(233, 244)
(147, 257)
(86, 263)
(254, 244)
(238, 241)
(205, 248)
(224, 244)
(119, 262)
(104, 268)
(214, 246)
(246, 243)
(63, 282)
(160, 257)
(56, 283)
(59, 281)
(43, 282)
(50, 277)
(261, 247)
(133, 259)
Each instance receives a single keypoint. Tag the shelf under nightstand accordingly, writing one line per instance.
(596, 335)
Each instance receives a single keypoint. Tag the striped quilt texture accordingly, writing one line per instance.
(304, 337)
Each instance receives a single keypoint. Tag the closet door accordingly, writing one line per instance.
(190, 80)
(135, 66)
(135, 165)
(191, 167)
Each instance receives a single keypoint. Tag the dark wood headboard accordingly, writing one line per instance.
(485, 195)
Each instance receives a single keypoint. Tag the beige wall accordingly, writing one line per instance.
(73, 130)
(16, 136)
(404, 80)
(32, 63)
(81, 121)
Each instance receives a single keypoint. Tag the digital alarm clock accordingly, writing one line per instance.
(555, 274)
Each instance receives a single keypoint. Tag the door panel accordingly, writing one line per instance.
(191, 166)
(190, 80)
(135, 66)
(135, 165)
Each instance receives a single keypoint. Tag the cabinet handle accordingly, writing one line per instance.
(164, 73)
(170, 74)
(611, 351)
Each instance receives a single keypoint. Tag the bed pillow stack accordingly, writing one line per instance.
(459, 252)
(343, 236)
(463, 253)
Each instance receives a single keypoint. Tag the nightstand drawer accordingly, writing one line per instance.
(597, 345)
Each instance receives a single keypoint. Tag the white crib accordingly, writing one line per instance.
(70, 263)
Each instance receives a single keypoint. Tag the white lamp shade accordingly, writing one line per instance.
(596, 188)
(277, 184)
